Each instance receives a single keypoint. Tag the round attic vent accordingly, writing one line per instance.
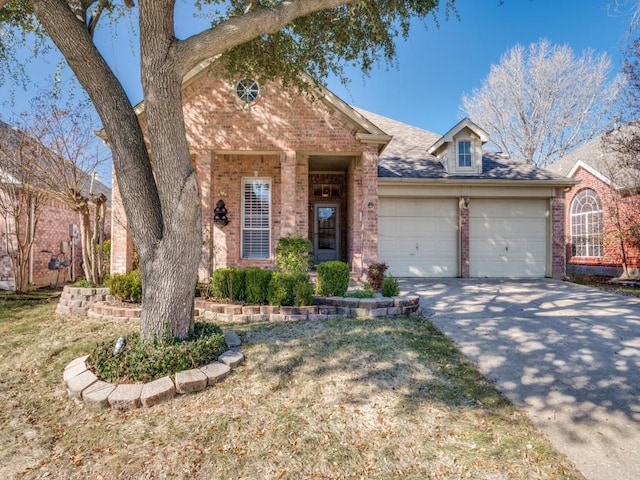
(247, 90)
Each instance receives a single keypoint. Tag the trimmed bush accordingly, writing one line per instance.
(229, 284)
(282, 289)
(375, 275)
(257, 285)
(293, 254)
(303, 293)
(390, 287)
(333, 278)
(126, 287)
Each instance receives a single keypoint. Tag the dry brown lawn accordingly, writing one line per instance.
(349, 399)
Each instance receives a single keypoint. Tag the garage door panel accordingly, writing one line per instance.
(508, 238)
(418, 237)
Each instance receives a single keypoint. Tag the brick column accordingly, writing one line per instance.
(288, 196)
(121, 238)
(558, 251)
(302, 196)
(369, 209)
(202, 163)
(463, 219)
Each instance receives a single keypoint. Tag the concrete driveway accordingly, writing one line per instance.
(569, 355)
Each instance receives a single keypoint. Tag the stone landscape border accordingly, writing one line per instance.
(325, 308)
(84, 385)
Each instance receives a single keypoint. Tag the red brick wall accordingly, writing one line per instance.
(51, 231)
(628, 207)
(273, 139)
(558, 260)
(463, 211)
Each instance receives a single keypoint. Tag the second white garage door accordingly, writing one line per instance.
(508, 238)
(418, 237)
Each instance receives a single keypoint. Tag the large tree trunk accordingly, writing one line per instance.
(162, 203)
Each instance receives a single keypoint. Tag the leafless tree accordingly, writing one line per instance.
(21, 200)
(65, 169)
(542, 101)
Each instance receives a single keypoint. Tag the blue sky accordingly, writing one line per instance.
(436, 66)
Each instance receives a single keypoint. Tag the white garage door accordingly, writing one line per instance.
(508, 238)
(418, 237)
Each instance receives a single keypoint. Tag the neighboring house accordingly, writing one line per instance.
(362, 187)
(602, 212)
(56, 230)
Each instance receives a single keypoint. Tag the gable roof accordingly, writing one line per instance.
(366, 131)
(406, 157)
(461, 125)
(600, 162)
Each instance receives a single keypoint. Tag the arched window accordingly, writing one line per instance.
(586, 224)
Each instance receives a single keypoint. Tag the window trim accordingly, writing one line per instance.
(468, 154)
(246, 181)
(592, 223)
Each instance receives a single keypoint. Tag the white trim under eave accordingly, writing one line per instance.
(592, 171)
(470, 182)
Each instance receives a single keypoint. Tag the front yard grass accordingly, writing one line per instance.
(605, 283)
(346, 399)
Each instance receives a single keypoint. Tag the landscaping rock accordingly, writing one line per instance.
(157, 392)
(232, 358)
(232, 339)
(75, 385)
(73, 371)
(97, 395)
(191, 381)
(215, 372)
(126, 396)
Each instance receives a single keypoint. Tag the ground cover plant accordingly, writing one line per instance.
(378, 399)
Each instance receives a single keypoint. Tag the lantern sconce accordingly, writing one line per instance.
(220, 214)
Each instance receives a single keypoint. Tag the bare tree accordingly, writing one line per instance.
(621, 148)
(67, 170)
(21, 200)
(541, 102)
(271, 39)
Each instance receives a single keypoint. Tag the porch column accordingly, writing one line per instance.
(369, 209)
(294, 174)
(121, 238)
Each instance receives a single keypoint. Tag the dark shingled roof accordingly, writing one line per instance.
(406, 157)
(607, 163)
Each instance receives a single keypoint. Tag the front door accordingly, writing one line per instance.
(326, 236)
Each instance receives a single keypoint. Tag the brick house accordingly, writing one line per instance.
(363, 188)
(56, 230)
(602, 212)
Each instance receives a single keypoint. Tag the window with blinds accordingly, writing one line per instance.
(256, 218)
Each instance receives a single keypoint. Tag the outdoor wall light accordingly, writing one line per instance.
(220, 214)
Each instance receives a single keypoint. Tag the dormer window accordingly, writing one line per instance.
(464, 153)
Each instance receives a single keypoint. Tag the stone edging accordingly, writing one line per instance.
(83, 385)
(325, 308)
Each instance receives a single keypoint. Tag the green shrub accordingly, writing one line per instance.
(366, 292)
(238, 285)
(293, 254)
(221, 284)
(303, 293)
(333, 278)
(83, 283)
(282, 288)
(143, 362)
(126, 287)
(390, 287)
(375, 275)
(257, 285)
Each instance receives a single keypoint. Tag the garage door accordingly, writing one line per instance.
(418, 237)
(507, 238)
